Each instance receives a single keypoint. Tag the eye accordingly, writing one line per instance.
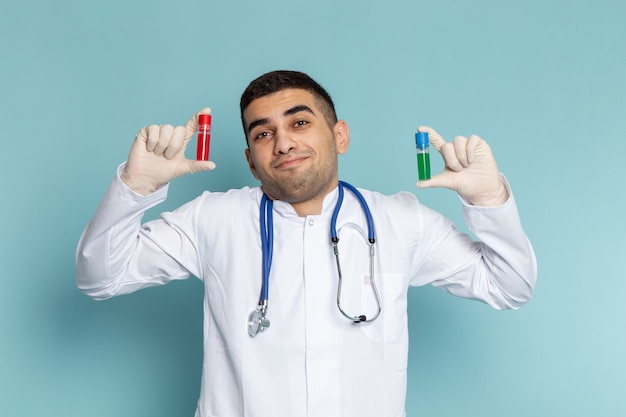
(300, 123)
(262, 135)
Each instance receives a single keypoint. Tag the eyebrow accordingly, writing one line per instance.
(291, 111)
(297, 109)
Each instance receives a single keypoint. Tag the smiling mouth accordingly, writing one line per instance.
(290, 163)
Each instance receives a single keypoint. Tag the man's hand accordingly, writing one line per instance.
(157, 156)
(470, 169)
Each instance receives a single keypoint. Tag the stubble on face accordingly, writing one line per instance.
(297, 186)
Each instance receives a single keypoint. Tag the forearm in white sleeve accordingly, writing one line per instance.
(499, 269)
(113, 256)
(507, 254)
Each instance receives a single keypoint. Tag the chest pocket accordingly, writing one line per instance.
(392, 321)
(357, 296)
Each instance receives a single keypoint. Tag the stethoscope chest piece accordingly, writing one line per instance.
(257, 321)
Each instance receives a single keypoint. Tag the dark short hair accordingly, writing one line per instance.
(276, 81)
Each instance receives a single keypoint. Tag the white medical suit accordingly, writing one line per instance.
(311, 361)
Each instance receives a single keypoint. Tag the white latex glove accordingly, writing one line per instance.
(157, 156)
(470, 169)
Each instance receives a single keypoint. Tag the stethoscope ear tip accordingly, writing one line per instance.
(360, 319)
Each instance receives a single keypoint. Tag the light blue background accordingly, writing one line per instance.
(543, 81)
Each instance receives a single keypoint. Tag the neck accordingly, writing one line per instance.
(309, 208)
(304, 204)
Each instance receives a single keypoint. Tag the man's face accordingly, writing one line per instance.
(292, 149)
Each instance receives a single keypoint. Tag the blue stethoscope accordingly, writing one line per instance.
(257, 320)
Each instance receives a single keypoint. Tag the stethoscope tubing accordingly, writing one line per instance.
(368, 215)
(267, 245)
(257, 321)
(372, 241)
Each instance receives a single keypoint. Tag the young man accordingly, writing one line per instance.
(312, 361)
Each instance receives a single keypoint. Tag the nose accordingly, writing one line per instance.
(283, 142)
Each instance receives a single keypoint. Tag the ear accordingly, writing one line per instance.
(342, 136)
(251, 163)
